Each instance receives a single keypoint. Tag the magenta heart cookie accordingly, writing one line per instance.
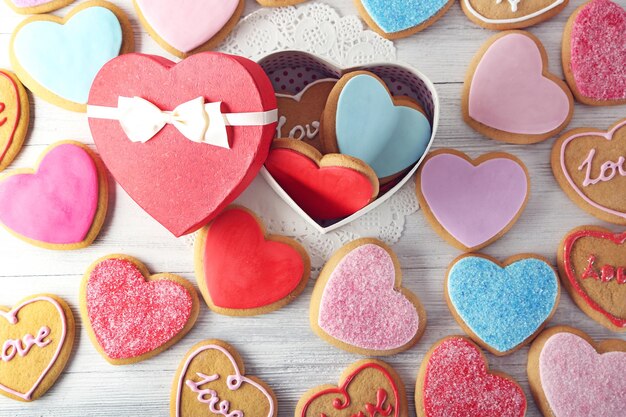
(510, 96)
(472, 203)
(184, 26)
(359, 304)
(182, 170)
(59, 205)
(594, 53)
(131, 315)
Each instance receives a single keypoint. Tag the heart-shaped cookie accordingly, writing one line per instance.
(212, 380)
(511, 14)
(472, 203)
(36, 337)
(592, 263)
(188, 26)
(188, 171)
(131, 315)
(394, 19)
(454, 380)
(594, 53)
(14, 117)
(590, 166)
(37, 6)
(359, 304)
(243, 271)
(58, 59)
(59, 205)
(571, 376)
(299, 115)
(363, 120)
(325, 187)
(510, 96)
(366, 388)
(502, 306)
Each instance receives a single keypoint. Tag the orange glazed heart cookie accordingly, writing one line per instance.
(14, 117)
(131, 315)
(212, 380)
(36, 337)
(367, 388)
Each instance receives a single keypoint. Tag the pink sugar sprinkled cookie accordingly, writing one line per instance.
(594, 53)
(131, 315)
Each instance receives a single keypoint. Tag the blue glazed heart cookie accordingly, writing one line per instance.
(502, 306)
(364, 121)
(58, 59)
(395, 19)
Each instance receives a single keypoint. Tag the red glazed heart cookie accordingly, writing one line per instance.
(131, 315)
(211, 380)
(184, 140)
(243, 271)
(14, 117)
(592, 262)
(36, 337)
(367, 388)
(454, 380)
(326, 187)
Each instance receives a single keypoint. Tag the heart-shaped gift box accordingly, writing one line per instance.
(290, 71)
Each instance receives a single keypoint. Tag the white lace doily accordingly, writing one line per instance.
(318, 29)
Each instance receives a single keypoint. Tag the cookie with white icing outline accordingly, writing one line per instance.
(14, 117)
(511, 14)
(36, 336)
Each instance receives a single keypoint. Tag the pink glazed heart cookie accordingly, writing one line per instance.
(59, 205)
(472, 203)
(184, 140)
(185, 27)
(359, 304)
(572, 376)
(510, 96)
(131, 315)
(594, 53)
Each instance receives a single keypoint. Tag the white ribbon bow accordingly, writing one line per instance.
(198, 121)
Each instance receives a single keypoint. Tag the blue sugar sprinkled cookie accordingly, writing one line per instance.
(502, 306)
(394, 19)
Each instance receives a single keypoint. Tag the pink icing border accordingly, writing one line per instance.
(11, 317)
(608, 136)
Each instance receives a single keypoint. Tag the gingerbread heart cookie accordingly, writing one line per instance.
(325, 187)
(359, 304)
(36, 337)
(594, 53)
(14, 117)
(243, 271)
(131, 315)
(592, 263)
(572, 376)
(509, 95)
(511, 14)
(212, 380)
(454, 380)
(590, 166)
(299, 115)
(61, 204)
(368, 387)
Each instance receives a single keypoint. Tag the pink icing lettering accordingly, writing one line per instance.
(211, 398)
(11, 347)
(608, 170)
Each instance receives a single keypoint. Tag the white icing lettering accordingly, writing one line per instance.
(513, 4)
(298, 132)
(211, 398)
(608, 170)
(21, 347)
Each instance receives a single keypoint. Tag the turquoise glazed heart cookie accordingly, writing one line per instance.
(58, 59)
(502, 306)
(395, 19)
(364, 121)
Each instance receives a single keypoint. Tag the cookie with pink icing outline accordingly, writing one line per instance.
(36, 6)
(36, 339)
(59, 205)
(14, 117)
(590, 166)
(570, 374)
(185, 27)
(594, 53)
(131, 315)
(212, 380)
(359, 304)
(510, 96)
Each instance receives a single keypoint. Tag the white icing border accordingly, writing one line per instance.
(514, 20)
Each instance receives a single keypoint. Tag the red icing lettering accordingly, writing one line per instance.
(608, 170)
(606, 274)
(379, 409)
(4, 119)
(21, 347)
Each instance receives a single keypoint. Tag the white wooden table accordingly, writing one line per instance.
(280, 347)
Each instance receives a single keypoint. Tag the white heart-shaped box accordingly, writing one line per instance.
(399, 77)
